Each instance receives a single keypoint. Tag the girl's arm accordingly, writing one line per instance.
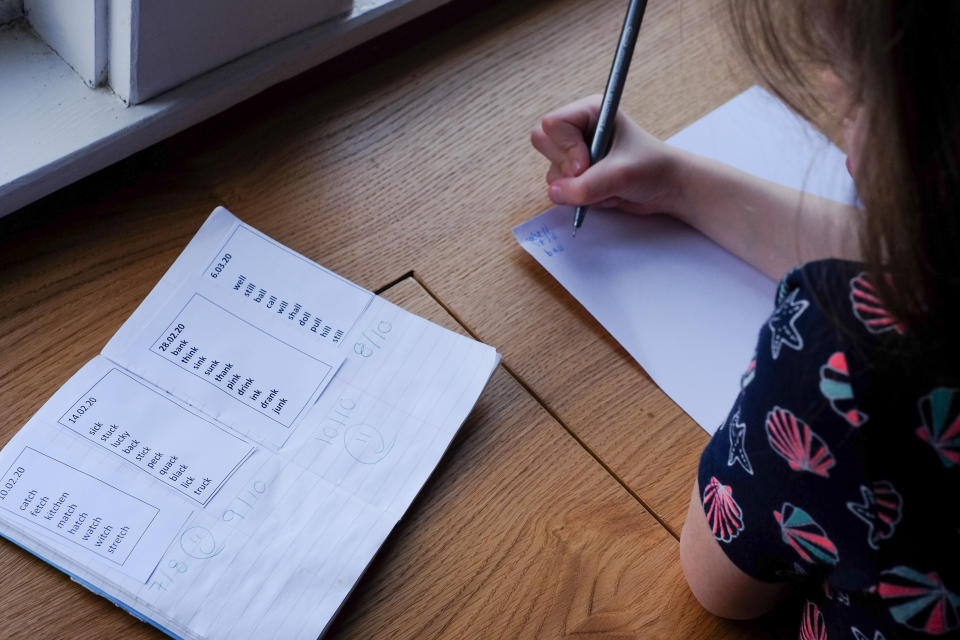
(722, 588)
(771, 227)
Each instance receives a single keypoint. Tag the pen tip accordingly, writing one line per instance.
(574, 234)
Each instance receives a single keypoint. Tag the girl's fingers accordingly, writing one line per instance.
(545, 145)
(561, 135)
(597, 184)
(554, 173)
(609, 203)
(561, 151)
(568, 138)
(581, 115)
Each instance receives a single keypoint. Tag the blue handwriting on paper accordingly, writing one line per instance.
(546, 239)
(199, 543)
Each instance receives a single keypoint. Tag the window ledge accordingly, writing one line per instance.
(55, 130)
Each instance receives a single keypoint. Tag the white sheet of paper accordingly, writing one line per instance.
(687, 310)
(141, 477)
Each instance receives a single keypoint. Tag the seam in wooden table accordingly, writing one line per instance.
(396, 281)
(539, 400)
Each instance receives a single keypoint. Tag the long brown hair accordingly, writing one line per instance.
(901, 61)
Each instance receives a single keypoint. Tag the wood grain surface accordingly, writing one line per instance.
(556, 510)
(522, 534)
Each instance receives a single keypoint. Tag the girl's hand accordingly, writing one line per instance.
(768, 225)
(638, 175)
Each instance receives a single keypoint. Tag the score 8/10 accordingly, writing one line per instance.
(165, 578)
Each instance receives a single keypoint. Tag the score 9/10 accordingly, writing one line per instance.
(241, 506)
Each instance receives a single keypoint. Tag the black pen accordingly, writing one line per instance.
(603, 134)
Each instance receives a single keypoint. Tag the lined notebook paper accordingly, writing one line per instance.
(686, 309)
(231, 462)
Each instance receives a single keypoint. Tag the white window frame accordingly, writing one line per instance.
(55, 128)
(175, 40)
(76, 30)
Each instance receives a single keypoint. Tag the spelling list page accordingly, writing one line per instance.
(230, 464)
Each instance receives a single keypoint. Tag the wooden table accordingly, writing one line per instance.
(403, 166)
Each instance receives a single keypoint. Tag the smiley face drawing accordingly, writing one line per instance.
(366, 444)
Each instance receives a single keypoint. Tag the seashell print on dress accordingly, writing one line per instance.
(795, 442)
(723, 513)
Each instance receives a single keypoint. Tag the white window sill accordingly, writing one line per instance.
(55, 130)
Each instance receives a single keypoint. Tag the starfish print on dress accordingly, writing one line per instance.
(738, 430)
(881, 510)
(783, 329)
(860, 635)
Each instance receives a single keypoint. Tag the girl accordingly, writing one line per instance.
(835, 475)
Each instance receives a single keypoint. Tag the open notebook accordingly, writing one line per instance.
(687, 310)
(231, 462)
